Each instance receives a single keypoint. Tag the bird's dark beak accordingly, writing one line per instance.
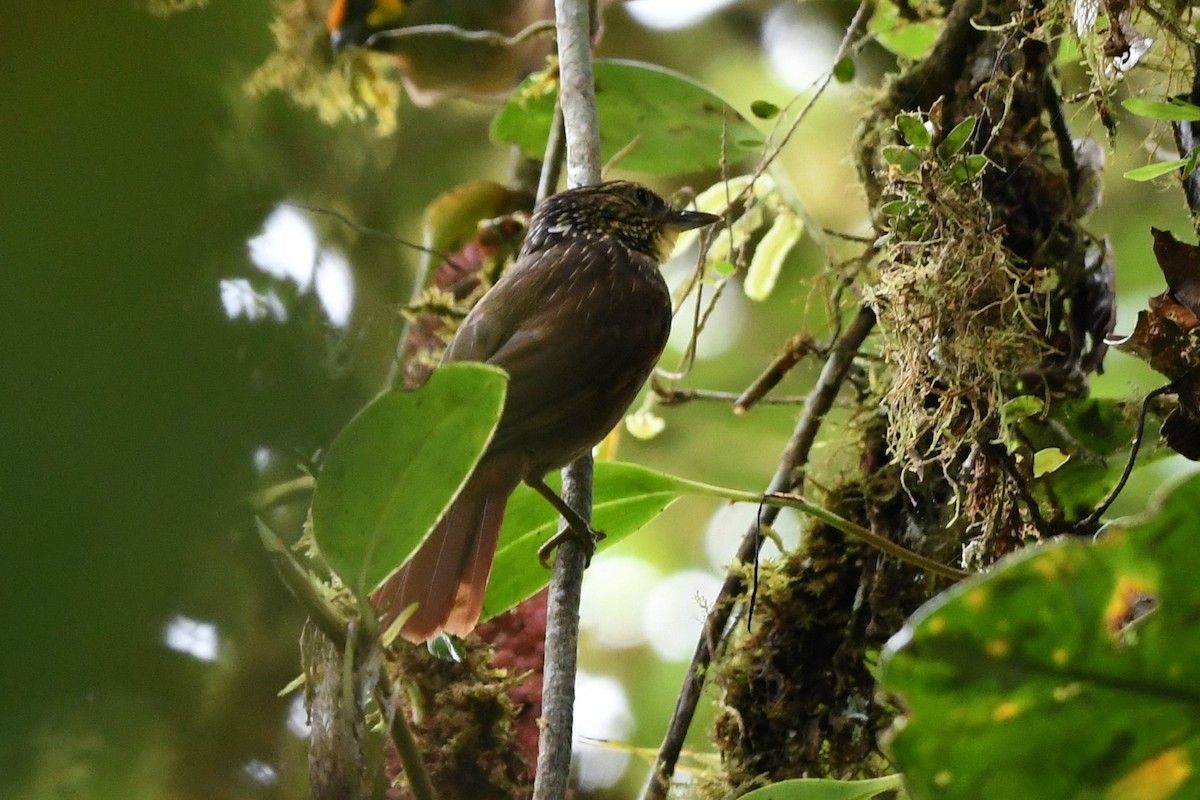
(679, 219)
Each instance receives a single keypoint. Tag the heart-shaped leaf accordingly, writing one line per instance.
(396, 466)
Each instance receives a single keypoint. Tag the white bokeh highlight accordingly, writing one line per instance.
(728, 525)
(192, 637)
(602, 713)
(287, 246)
(335, 286)
(799, 43)
(614, 594)
(288, 250)
(673, 14)
(674, 612)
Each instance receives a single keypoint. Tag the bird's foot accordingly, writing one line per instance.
(577, 528)
(588, 537)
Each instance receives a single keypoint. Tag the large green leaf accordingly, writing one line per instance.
(674, 124)
(395, 468)
(625, 498)
(825, 789)
(1071, 670)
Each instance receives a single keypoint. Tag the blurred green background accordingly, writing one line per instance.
(144, 400)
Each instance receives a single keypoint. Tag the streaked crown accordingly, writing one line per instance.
(623, 211)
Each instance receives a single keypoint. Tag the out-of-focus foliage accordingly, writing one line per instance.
(633, 102)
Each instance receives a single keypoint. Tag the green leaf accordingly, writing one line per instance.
(1069, 670)
(771, 252)
(625, 498)
(1096, 434)
(899, 36)
(896, 208)
(956, 139)
(902, 157)
(844, 70)
(914, 131)
(724, 268)
(1021, 408)
(1069, 51)
(966, 169)
(1172, 110)
(395, 468)
(674, 124)
(764, 109)
(825, 789)
(1048, 460)
(1152, 171)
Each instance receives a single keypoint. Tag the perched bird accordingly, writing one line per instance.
(578, 323)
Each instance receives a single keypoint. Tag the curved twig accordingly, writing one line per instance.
(540, 27)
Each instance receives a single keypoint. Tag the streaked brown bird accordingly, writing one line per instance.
(578, 323)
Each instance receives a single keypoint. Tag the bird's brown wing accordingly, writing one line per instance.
(566, 389)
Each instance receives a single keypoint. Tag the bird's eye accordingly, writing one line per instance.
(644, 196)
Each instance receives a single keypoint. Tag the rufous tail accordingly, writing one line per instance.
(448, 575)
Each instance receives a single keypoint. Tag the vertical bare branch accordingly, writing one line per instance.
(577, 98)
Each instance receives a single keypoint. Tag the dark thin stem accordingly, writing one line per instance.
(788, 477)
(1089, 522)
(555, 149)
(1187, 140)
(1001, 454)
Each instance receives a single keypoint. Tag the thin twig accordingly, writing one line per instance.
(496, 38)
(1001, 454)
(1089, 522)
(577, 99)
(794, 350)
(788, 477)
(880, 543)
(673, 397)
(271, 496)
(369, 231)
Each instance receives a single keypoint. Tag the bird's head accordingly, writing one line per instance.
(630, 213)
(352, 22)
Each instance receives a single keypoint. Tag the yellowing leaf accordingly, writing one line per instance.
(770, 254)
